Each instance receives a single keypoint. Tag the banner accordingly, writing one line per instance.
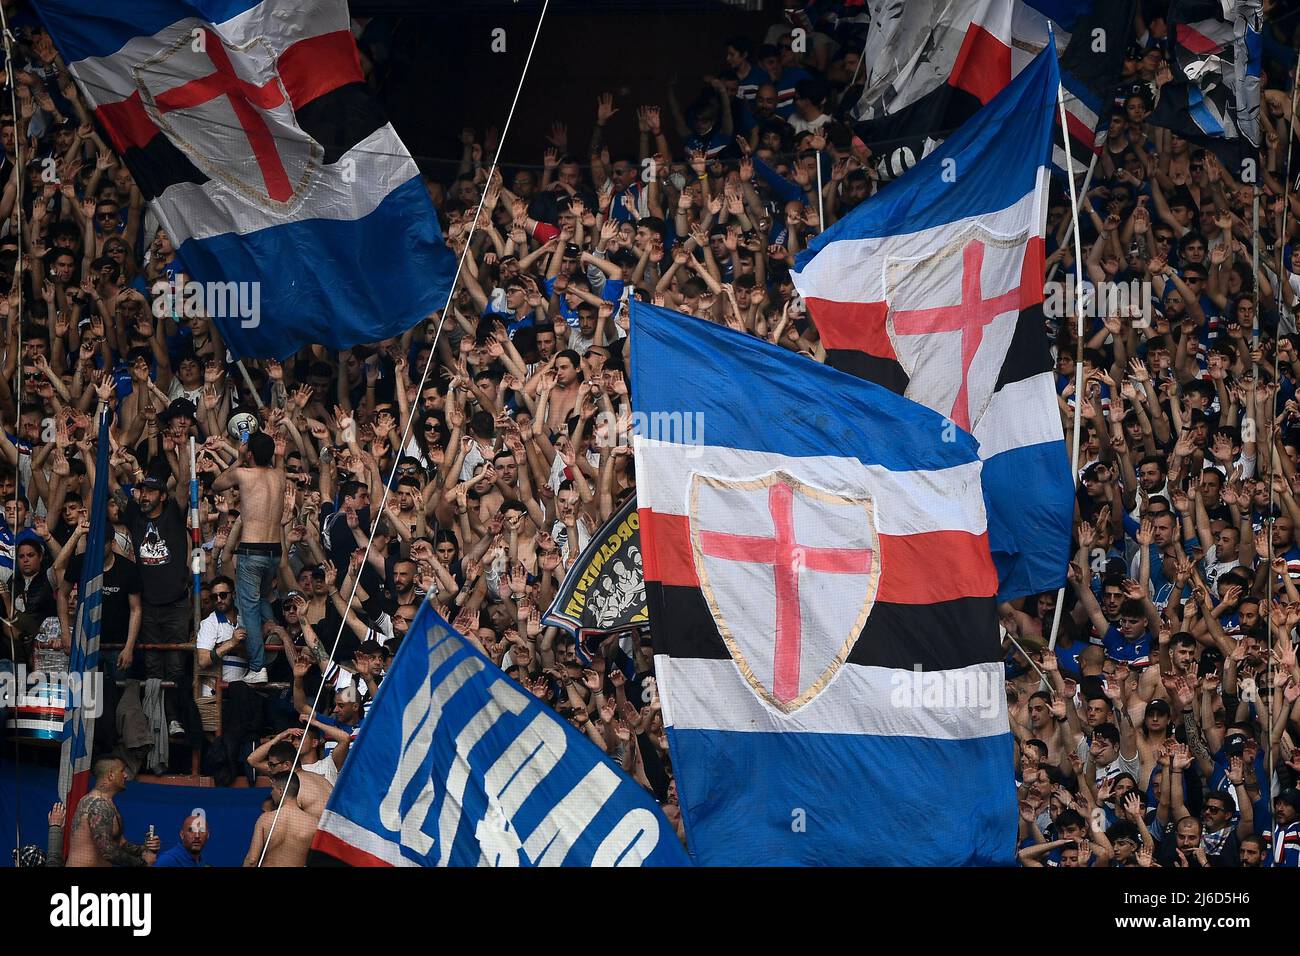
(822, 604)
(457, 765)
(604, 591)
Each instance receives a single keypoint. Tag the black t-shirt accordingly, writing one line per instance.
(120, 582)
(161, 551)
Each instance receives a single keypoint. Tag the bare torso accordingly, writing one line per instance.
(261, 504)
(97, 826)
(313, 793)
(560, 405)
(292, 837)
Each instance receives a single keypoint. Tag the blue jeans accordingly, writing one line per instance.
(254, 574)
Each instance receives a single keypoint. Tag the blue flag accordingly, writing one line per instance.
(933, 288)
(296, 210)
(821, 598)
(79, 725)
(457, 765)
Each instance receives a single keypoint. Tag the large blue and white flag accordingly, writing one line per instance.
(933, 288)
(79, 721)
(457, 765)
(821, 599)
(250, 129)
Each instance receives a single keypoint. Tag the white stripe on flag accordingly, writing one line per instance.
(108, 79)
(1020, 414)
(353, 835)
(853, 270)
(948, 499)
(348, 189)
(956, 704)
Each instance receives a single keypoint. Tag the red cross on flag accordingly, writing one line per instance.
(249, 128)
(933, 288)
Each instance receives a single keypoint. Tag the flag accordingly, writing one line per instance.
(457, 765)
(604, 591)
(249, 128)
(79, 722)
(1093, 36)
(1217, 61)
(933, 288)
(811, 571)
(930, 65)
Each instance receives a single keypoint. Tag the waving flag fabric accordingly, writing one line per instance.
(1093, 37)
(457, 765)
(1217, 59)
(931, 64)
(822, 607)
(250, 129)
(933, 288)
(79, 724)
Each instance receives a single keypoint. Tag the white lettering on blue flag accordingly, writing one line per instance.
(456, 765)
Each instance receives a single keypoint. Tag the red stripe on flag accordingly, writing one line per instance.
(915, 569)
(935, 566)
(1192, 39)
(126, 123)
(327, 842)
(1081, 132)
(1031, 273)
(319, 65)
(859, 326)
(983, 64)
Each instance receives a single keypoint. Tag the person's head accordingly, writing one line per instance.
(404, 577)
(1105, 744)
(1216, 811)
(30, 555)
(1096, 711)
(194, 833)
(111, 774)
(1112, 596)
(347, 709)
(261, 448)
(1163, 527)
(1156, 718)
(223, 594)
(568, 367)
(1152, 473)
(1286, 807)
(402, 618)
(1182, 652)
(153, 492)
(283, 784)
(1070, 825)
(1132, 622)
(1187, 834)
(1040, 710)
(1251, 850)
(354, 496)
(447, 547)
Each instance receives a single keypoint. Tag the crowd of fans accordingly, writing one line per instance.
(1161, 729)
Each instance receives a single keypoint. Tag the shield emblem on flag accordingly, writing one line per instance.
(790, 573)
(952, 315)
(227, 109)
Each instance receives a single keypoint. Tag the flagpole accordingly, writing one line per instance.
(821, 203)
(1078, 333)
(196, 553)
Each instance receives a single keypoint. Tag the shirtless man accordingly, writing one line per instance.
(562, 390)
(276, 756)
(261, 501)
(97, 827)
(293, 832)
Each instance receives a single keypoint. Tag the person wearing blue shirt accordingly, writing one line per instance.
(193, 837)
